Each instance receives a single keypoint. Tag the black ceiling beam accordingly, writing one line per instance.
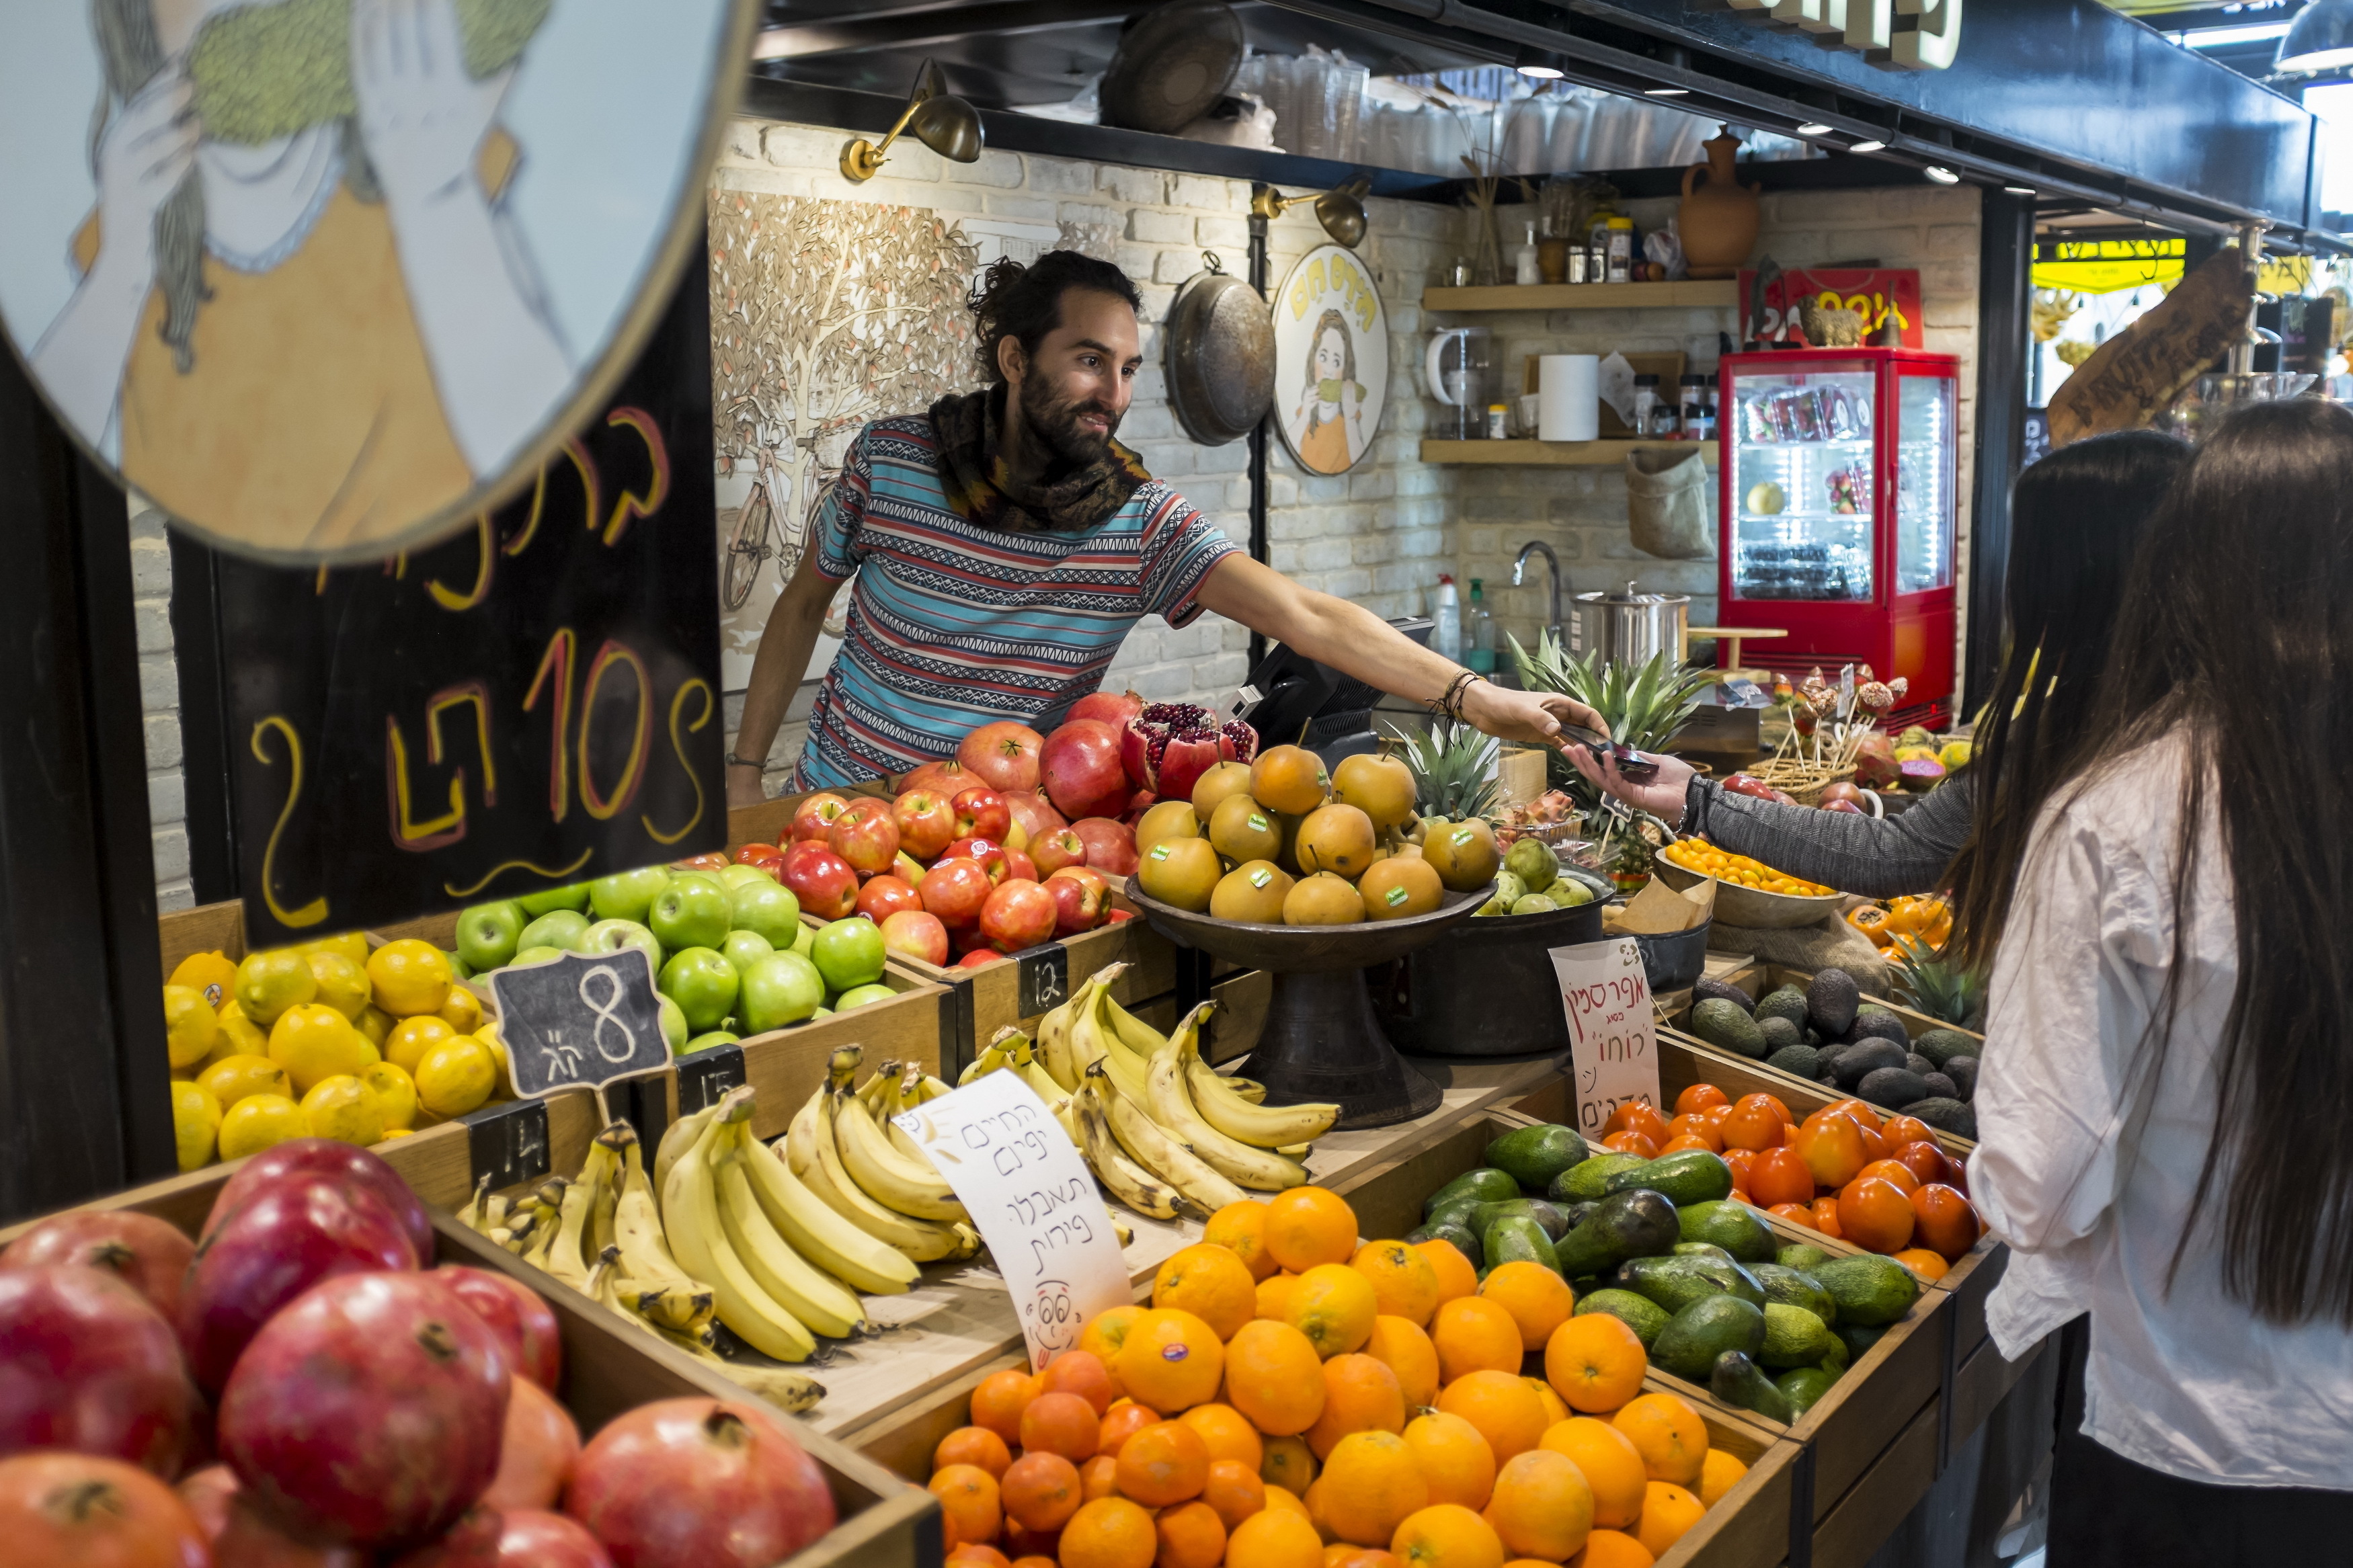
(930, 26)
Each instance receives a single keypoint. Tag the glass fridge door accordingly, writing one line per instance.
(1801, 444)
(1924, 482)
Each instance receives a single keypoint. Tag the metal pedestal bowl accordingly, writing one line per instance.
(1322, 1040)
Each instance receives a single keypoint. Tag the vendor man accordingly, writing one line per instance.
(1004, 543)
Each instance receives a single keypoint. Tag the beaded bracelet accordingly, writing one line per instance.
(1449, 706)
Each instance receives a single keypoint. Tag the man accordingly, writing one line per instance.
(1004, 543)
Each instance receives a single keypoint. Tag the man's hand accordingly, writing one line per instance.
(743, 785)
(1533, 717)
(1663, 797)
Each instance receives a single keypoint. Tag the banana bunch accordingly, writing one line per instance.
(648, 1306)
(866, 1174)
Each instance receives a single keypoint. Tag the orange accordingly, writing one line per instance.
(1668, 1511)
(1456, 1462)
(1166, 1463)
(968, 1500)
(1282, 1500)
(1241, 1229)
(1360, 1394)
(1612, 1549)
(1100, 1476)
(1944, 1221)
(1718, 1476)
(1456, 1277)
(1105, 1332)
(972, 1555)
(1276, 1537)
(1595, 1363)
(1475, 1334)
(1033, 1563)
(1333, 1306)
(1554, 1409)
(1669, 1435)
(1446, 1535)
(1309, 1226)
(1370, 1484)
(1273, 1297)
(1171, 1361)
(1063, 1424)
(1000, 1399)
(1289, 1466)
(1404, 1350)
(1192, 1536)
(1275, 1378)
(1404, 1283)
(973, 1446)
(1109, 1532)
(1121, 1422)
(1040, 1491)
(1340, 1554)
(1537, 1298)
(1019, 1543)
(1502, 1405)
(1234, 1490)
(1542, 1506)
(1318, 1499)
(1228, 1435)
(1874, 1214)
(1083, 1374)
(1210, 1282)
(1609, 1464)
(1927, 1265)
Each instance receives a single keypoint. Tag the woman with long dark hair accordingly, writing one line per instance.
(2168, 1056)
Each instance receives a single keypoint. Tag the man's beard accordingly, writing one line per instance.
(1057, 424)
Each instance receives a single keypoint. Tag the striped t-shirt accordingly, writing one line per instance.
(952, 624)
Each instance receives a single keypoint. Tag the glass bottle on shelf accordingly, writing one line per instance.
(1527, 272)
(1479, 636)
(1646, 405)
(1698, 425)
(1446, 629)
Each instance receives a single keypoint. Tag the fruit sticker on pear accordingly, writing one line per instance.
(580, 1021)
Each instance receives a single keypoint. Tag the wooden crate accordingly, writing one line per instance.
(610, 1369)
(1850, 1528)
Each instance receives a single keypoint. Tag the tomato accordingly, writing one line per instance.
(1684, 1141)
(1946, 1221)
(1699, 1097)
(1781, 1176)
(1630, 1143)
(1924, 1160)
(1875, 1214)
(1892, 1171)
(1902, 1129)
(1755, 1123)
(1832, 1150)
(1637, 1116)
(1689, 1126)
(1826, 1219)
(1740, 1160)
(1779, 1109)
(1863, 1115)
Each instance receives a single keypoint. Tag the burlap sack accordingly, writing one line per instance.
(1666, 502)
(1833, 943)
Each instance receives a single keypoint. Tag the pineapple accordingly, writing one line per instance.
(1454, 771)
(1938, 987)
(1644, 705)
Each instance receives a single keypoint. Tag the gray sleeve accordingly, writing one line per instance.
(1878, 859)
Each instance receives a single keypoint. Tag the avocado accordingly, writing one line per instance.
(1675, 1283)
(1514, 1238)
(1864, 1058)
(1700, 1249)
(1857, 1339)
(1724, 1025)
(1947, 1116)
(1877, 1024)
(1871, 1291)
(1708, 988)
(1639, 1313)
(1780, 1034)
(1802, 1257)
(1962, 1072)
(1940, 1086)
(1801, 1386)
(1798, 1061)
(1555, 1225)
(1575, 1213)
(1535, 1156)
(1795, 1287)
(1940, 1046)
(1914, 1062)
(1700, 1333)
(1736, 1380)
(1786, 1002)
(1460, 1239)
(1686, 1176)
(1590, 1179)
(1461, 1209)
(1832, 1001)
(1733, 1226)
(1894, 1088)
(1794, 1336)
(1486, 1183)
(1638, 1223)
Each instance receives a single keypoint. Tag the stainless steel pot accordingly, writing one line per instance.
(1628, 628)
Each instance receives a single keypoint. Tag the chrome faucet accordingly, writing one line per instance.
(1519, 570)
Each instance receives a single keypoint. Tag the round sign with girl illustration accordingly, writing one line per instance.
(1331, 360)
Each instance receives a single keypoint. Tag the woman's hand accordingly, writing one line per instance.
(141, 159)
(1663, 797)
(421, 115)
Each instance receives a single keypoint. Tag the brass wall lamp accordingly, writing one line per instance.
(933, 116)
(1341, 210)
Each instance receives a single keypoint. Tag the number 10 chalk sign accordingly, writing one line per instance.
(581, 1021)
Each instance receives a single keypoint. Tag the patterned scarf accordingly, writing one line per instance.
(981, 487)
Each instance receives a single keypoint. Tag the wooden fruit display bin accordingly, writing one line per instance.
(610, 1369)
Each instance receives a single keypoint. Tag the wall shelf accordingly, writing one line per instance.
(1556, 454)
(1722, 294)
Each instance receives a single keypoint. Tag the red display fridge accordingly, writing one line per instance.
(1840, 468)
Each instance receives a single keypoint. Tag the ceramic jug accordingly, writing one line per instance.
(1719, 218)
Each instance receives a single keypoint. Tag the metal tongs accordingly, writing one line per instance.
(1632, 766)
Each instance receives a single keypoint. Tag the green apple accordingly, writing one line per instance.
(703, 984)
(709, 1038)
(673, 1023)
(822, 1013)
(692, 911)
(613, 935)
(739, 875)
(531, 956)
(557, 928)
(804, 940)
(769, 908)
(782, 988)
(574, 898)
(745, 948)
(858, 996)
(848, 953)
(488, 934)
(459, 968)
(628, 895)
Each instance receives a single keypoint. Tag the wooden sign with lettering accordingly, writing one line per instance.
(532, 704)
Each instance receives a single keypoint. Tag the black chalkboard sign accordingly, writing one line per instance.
(507, 1143)
(1042, 977)
(579, 1021)
(533, 704)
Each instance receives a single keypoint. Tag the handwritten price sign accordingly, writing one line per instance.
(1037, 1207)
(1613, 1054)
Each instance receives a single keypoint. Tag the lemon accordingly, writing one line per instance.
(351, 945)
(376, 1024)
(410, 1039)
(396, 1091)
(189, 1026)
(239, 1035)
(456, 1075)
(233, 1079)
(260, 1122)
(409, 976)
(313, 1042)
(464, 1010)
(343, 984)
(269, 982)
(209, 974)
(343, 1109)
(195, 1123)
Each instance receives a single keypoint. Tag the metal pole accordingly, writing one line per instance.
(2005, 301)
(1258, 546)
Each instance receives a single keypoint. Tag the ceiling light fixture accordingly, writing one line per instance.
(933, 116)
(2019, 190)
(1675, 57)
(1941, 174)
(2320, 38)
(1814, 128)
(1868, 146)
(1541, 65)
(1666, 91)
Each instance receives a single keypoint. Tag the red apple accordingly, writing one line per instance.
(824, 882)
(918, 933)
(908, 869)
(813, 818)
(1082, 768)
(927, 822)
(987, 853)
(1056, 850)
(1111, 845)
(885, 896)
(979, 958)
(767, 856)
(945, 778)
(1004, 755)
(865, 836)
(1019, 867)
(714, 861)
(1104, 707)
(1034, 812)
(1081, 896)
(955, 892)
(966, 938)
(1019, 914)
(150, 1254)
(982, 814)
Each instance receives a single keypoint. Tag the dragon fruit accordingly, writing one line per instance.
(1169, 745)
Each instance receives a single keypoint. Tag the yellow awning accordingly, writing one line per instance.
(2105, 266)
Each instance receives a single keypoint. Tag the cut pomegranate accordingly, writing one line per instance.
(1169, 745)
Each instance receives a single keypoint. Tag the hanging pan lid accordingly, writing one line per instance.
(1220, 356)
(1173, 64)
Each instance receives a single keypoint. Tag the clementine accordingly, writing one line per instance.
(968, 1502)
(1212, 1283)
(1502, 1405)
(1063, 1424)
(1081, 1372)
(1275, 1378)
(1234, 1490)
(1040, 1491)
(998, 1402)
(1109, 1532)
(1542, 1506)
(1537, 1298)
(1595, 1363)
(1289, 1467)
(1611, 1466)
(1123, 1421)
(1100, 1477)
(1192, 1536)
(1164, 1464)
(973, 1446)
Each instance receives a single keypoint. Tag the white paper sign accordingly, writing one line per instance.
(1613, 1054)
(1034, 1201)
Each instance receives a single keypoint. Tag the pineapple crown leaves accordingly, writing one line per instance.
(1453, 768)
(1938, 986)
(1643, 704)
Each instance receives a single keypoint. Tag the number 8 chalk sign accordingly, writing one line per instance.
(580, 1021)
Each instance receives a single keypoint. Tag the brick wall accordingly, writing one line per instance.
(159, 704)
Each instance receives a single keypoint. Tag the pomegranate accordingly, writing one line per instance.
(946, 778)
(151, 1256)
(1081, 765)
(1081, 896)
(1019, 914)
(91, 1512)
(1004, 755)
(250, 1538)
(512, 1538)
(1111, 845)
(369, 1413)
(290, 1237)
(1036, 815)
(525, 1322)
(698, 1483)
(326, 1157)
(1102, 707)
(537, 1453)
(1169, 745)
(1139, 803)
(87, 1364)
(207, 1492)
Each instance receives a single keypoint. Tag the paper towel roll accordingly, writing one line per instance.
(1569, 406)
